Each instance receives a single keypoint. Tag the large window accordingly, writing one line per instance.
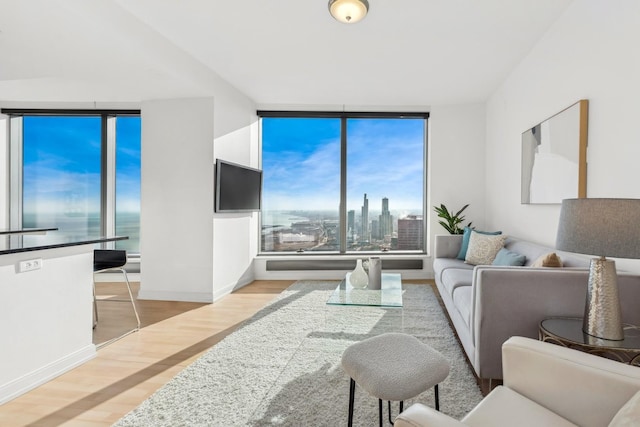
(80, 172)
(343, 182)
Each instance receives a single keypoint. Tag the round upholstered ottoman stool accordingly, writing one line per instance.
(393, 367)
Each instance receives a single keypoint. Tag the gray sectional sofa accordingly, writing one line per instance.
(488, 304)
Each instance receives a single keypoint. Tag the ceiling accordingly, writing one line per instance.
(277, 52)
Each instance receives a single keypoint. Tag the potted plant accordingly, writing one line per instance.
(451, 221)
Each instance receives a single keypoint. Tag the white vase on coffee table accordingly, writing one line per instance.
(359, 278)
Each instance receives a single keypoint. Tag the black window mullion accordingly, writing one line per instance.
(343, 185)
(104, 182)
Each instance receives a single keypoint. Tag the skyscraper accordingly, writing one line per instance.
(351, 224)
(410, 233)
(385, 220)
(364, 232)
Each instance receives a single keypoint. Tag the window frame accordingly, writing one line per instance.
(107, 161)
(343, 211)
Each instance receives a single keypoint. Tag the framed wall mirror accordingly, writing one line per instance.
(554, 157)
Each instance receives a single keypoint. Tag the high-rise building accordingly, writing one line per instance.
(351, 224)
(385, 220)
(364, 232)
(375, 229)
(410, 233)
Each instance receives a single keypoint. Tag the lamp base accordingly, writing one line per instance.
(602, 313)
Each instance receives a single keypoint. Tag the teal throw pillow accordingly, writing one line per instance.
(506, 257)
(465, 240)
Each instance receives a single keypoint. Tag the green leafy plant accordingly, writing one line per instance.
(451, 221)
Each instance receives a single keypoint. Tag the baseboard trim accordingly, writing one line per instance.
(46, 373)
(206, 297)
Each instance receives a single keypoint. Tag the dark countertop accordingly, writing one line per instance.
(28, 231)
(11, 244)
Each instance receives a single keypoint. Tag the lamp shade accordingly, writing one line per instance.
(601, 227)
(348, 11)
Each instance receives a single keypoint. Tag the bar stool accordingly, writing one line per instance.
(106, 260)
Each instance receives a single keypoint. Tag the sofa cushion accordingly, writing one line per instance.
(452, 278)
(483, 248)
(512, 409)
(440, 265)
(465, 240)
(507, 257)
(462, 301)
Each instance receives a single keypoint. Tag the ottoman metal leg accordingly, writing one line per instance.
(401, 409)
(437, 399)
(380, 412)
(352, 391)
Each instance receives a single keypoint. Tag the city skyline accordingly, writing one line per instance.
(310, 230)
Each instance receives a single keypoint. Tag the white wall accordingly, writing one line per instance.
(591, 52)
(176, 247)
(235, 235)
(457, 170)
(188, 253)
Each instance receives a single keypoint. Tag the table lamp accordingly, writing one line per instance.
(602, 227)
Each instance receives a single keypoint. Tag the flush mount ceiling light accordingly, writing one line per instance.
(348, 11)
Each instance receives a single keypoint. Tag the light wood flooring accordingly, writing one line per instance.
(127, 371)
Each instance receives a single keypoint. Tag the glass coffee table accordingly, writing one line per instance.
(390, 294)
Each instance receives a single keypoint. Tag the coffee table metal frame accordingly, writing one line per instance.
(567, 332)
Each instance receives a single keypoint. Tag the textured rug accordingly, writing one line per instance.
(282, 366)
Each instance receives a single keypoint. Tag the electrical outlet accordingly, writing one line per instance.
(30, 265)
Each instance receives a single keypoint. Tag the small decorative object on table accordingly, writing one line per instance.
(358, 277)
(375, 273)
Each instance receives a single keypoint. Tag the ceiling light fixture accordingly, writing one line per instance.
(348, 11)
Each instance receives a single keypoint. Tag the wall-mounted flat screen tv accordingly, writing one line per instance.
(238, 188)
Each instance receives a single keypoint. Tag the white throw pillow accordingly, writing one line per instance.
(483, 248)
(629, 414)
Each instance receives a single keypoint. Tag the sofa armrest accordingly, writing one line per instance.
(419, 415)
(447, 245)
(568, 382)
(512, 301)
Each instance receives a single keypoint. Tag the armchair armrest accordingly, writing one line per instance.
(419, 415)
(568, 382)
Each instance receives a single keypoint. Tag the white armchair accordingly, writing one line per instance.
(547, 385)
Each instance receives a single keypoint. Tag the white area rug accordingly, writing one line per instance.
(282, 366)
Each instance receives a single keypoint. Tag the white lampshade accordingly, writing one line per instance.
(348, 11)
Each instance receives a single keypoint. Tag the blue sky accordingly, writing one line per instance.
(301, 163)
(62, 163)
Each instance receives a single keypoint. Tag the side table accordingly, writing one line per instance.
(567, 332)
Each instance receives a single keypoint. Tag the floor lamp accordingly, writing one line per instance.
(602, 227)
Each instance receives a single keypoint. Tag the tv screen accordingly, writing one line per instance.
(238, 188)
